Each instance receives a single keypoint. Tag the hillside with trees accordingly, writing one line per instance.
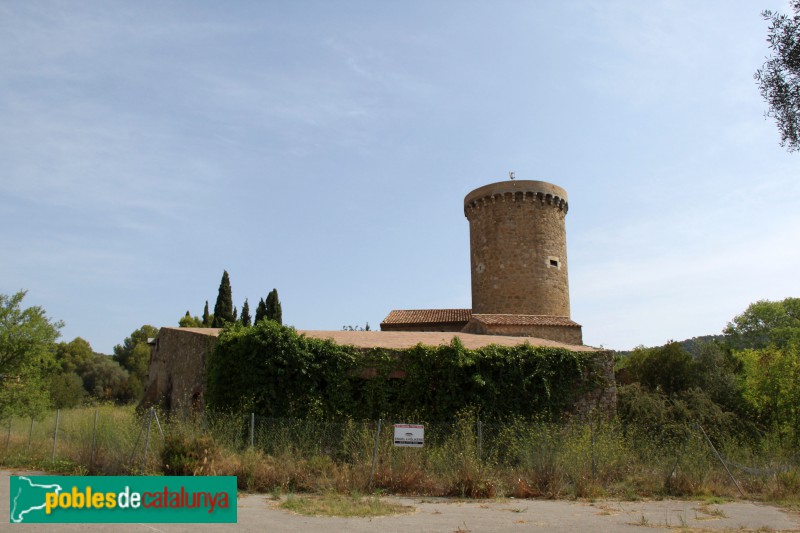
(744, 383)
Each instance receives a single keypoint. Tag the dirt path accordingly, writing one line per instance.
(258, 513)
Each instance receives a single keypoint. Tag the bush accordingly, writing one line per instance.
(66, 390)
(182, 456)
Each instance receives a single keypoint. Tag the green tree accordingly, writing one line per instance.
(223, 309)
(717, 373)
(246, 318)
(27, 355)
(66, 390)
(274, 311)
(206, 317)
(105, 379)
(72, 356)
(667, 368)
(765, 323)
(772, 386)
(134, 356)
(189, 321)
(261, 311)
(779, 77)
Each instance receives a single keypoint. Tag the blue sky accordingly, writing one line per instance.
(325, 148)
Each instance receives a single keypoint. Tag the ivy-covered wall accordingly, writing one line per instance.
(273, 371)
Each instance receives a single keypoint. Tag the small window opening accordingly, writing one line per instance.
(554, 262)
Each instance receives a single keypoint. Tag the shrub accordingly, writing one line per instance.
(182, 456)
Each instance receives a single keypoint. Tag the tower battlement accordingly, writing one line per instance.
(524, 191)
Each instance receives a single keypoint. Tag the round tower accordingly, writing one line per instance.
(518, 248)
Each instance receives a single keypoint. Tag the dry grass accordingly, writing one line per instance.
(332, 504)
(524, 460)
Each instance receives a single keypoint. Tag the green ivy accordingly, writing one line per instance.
(274, 371)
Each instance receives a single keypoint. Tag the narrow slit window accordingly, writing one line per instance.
(553, 262)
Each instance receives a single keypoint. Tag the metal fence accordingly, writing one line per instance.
(468, 453)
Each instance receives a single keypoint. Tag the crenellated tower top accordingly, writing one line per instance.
(516, 191)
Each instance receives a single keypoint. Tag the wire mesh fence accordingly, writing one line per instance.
(465, 457)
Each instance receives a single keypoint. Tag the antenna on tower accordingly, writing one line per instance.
(511, 175)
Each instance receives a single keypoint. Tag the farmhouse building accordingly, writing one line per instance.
(520, 294)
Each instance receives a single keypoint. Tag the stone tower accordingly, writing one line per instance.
(518, 248)
(518, 253)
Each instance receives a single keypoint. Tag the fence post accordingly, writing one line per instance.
(374, 453)
(136, 445)
(594, 460)
(158, 423)
(480, 439)
(8, 436)
(94, 437)
(668, 481)
(252, 428)
(147, 441)
(55, 435)
(721, 461)
(30, 433)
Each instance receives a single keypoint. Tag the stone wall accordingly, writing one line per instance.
(565, 334)
(177, 371)
(602, 399)
(518, 248)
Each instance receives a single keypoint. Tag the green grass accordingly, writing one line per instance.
(331, 504)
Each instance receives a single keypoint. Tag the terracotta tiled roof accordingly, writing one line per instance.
(524, 320)
(408, 339)
(211, 332)
(427, 316)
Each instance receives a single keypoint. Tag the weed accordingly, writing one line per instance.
(710, 512)
(331, 504)
(519, 458)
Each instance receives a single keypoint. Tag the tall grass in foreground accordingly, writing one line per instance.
(464, 457)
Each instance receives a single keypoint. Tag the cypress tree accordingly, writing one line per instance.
(206, 317)
(246, 318)
(261, 311)
(235, 314)
(223, 309)
(274, 311)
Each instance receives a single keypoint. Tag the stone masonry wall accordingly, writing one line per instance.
(518, 248)
(566, 334)
(601, 399)
(177, 371)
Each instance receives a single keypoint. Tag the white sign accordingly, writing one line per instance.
(409, 435)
